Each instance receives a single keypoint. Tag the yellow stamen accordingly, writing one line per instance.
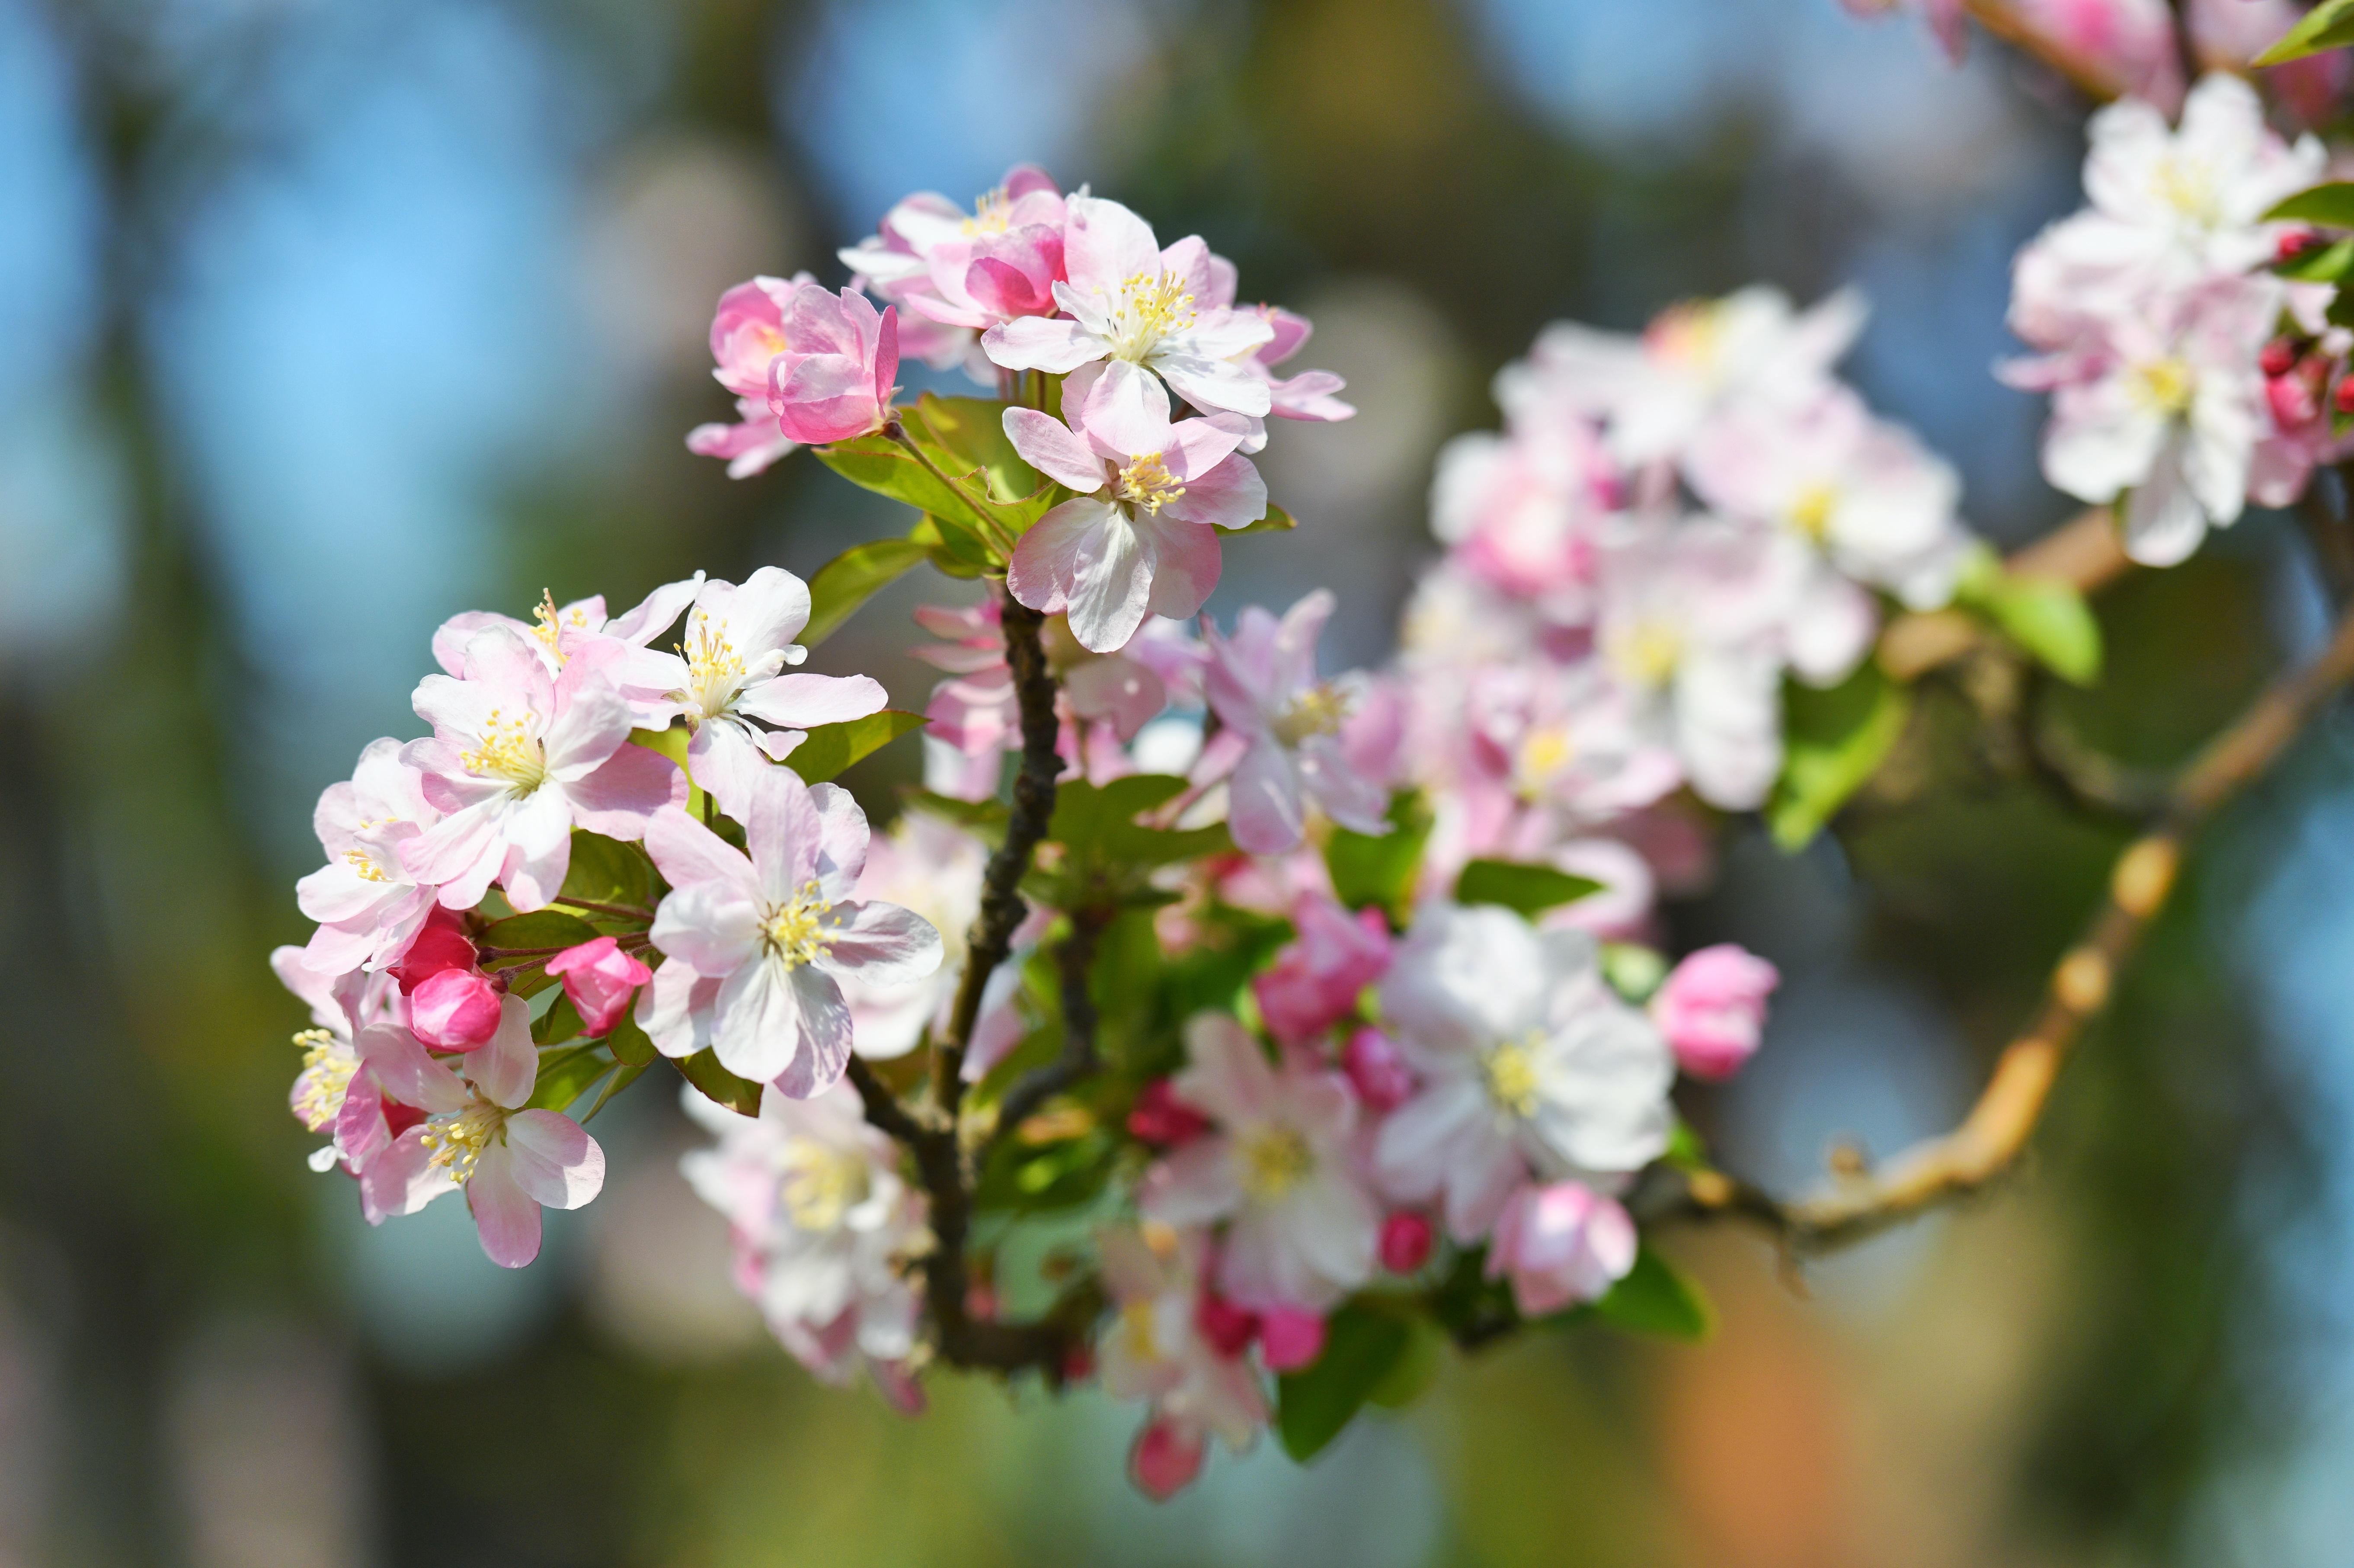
(1544, 754)
(992, 212)
(714, 668)
(2187, 185)
(1811, 508)
(1273, 1160)
(2164, 386)
(507, 749)
(326, 1079)
(1690, 334)
(455, 1143)
(796, 932)
(1147, 483)
(1646, 653)
(819, 1185)
(1318, 710)
(1510, 1070)
(364, 866)
(1151, 305)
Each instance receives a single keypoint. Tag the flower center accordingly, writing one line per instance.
(1147, 483)
(326, 1079)
(507, 749)
(714, 670)
(1274, 1159)
(1318, 710)
(1647, 652)
(1688, 335)
(2164, 386)
(1150, 306)
(1810, 511)
(1510, 1070)
(364, 866)
(2187, 185)
(796, 932)
(992, 212)
(553, 623)
(820, 1185)
(1544, 754)
(455, 1142)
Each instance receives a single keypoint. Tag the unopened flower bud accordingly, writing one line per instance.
(2343, 398)
(1290, 1338)
(2295, 243)
(1166, 1458)
(441, 945)
(1228, 1327)
(1378, 1072)
(1406, 1239)
(1159, 1116)
(2277, 357)
(1713, 1009)
(456, 1009)
(601, 980)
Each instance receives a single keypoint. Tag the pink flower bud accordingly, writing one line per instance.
(1166, 1458)
(1407, 1240)
(1562, 1245)
(2278, 357)
(1378, 1072)
(1290, 1338)
(832, 378)
(2292, 398)
(440, 945)
(1713, 1009)
(1228, 1327)
(601, 980)
(456, 1010)
(1159, 1116)
(2343, 398)
(1315, 981)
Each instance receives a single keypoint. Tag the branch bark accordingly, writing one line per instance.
(1990, 1137)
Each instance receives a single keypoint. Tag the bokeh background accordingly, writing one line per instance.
(323, 319)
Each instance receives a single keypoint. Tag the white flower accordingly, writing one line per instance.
(1528, 1063)
(826, 1230)
(756, 946)
(931, 868)
(1303, 1229)
(1262, 684)
(369, 907)
(1153, 1348)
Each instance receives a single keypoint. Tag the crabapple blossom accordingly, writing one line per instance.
(1711, 1008)
(1377, 1070)
(1155, 1348)
(456, 1009)
(1142, 308)
(510, 1162)
(600, 980)
(1559, 1244)
(1303, 1228)
(369, 907)
(334, 1093)
(733, 670)
(1282, 730)
(756, 946)
(746, 334)
(925, 866)
(1140, 537)
(1528, 1063)
(1317, 977)
(615, 646)
(518, 758)
(926, 238)
(824, 1229)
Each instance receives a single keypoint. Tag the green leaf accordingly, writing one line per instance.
(2328, 26)
(1379, 872)
(1276, 521)
(1833, 740)
(970, 433)
(543, 932)
(984, 820)
(831, 747)
(1655, 1300)
(606, 871)
(1363, 1347)
(1686, 1152)
(1529, 889)
(882, 465)
(2332, 203)
(2318, 264)
(956, 552)
(1103, 843)
(719, 1086)
(1633, 970)
(852, 578)
(628, 1042)
(2047, 618)
(565, 1073)
(1413, 1370)
(623, 1077)
(557, 1025)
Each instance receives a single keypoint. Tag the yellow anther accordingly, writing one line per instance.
(1689, 333)
(454, 1143)
(819, 1185)
(1646, 653)
(714, 668)
(2187, 185)
(992, 212)
(796, 931)
(326, 1077)
(1510, 1070)
(1544, 754)
(507, 749)
(364, 866)
(1274, 1160)
(1147, 483)
(1318, 710)
(1150, 306)
(1811, 508)
(2164, 386)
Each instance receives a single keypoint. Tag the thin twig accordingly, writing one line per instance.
(1076, 958)
(618, 911)
(1990, 1137)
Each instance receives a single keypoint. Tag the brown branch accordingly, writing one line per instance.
(1076, 958)
(2082, 551)
(1990, 1137)
(2001, 19)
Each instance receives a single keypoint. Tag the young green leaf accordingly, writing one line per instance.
(831, 747)
(547, 928)
(1833, 740)
(2050, 619)
(970, 433)
(985, 819)
(852, 578)
(2328, 26)
(1655, 1300)
(565, 1073)
(2319, 263)
(2332, 203)
(623, 1077)
(1529, 889)
(1362, 1348)
(719, 1086)
(1379, 872)
(604, 871)
(1276, 521)
(882, 465)
(557, 1025)
(628, 1042)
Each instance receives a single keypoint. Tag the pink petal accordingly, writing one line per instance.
(505, 1218)
(556, 1162)
(1049, 446)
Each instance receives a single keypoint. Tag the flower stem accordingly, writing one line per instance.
(897, 433)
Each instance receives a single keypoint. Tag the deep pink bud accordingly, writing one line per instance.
(1711, 1008)
(1406, 1239)
(456, 1010)
(2278, 356)
(2292, 398)
(1166, 1458)
(1561, 1245)
(1290, 1338)
(1159, 1116)
(440, 944)
(2295, 243)
(2343, 399)
(1382, 1078)
(1315, 981)
(1228, 1327)
(601, 980)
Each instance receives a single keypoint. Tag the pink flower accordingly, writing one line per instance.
(835, 377)
(456, 1009)
(334, 1093)
(1303, 1228)
(747, 336)
(518, 759)
(1561, 1245)
(1160, 1118)
(756, 946)
(943, 263)
(1711, 1008)
(1377, 1070)
(1522, 510)
(1140, 537)
(614, 646)
(1135, 304)
(1285, 724)
(510, 1162)
(1316, 978)
(369, 907)
(1157, 1346)
(1407, 1240)
(601, 980)
(441, 945)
